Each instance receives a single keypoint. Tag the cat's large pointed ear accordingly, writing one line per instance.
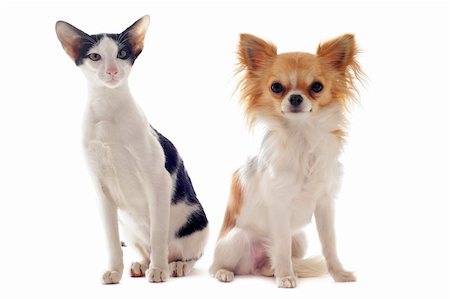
(71, 38)
(136, 34)
(254, 52)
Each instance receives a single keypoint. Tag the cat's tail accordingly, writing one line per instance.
(310, 267)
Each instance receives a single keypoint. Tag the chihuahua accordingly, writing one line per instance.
(301, 99)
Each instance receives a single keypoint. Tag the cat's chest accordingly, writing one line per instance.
(114, 143)
(123, 125)
(106, 131)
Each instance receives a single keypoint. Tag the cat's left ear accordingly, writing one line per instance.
(70, 37)
(137, 32)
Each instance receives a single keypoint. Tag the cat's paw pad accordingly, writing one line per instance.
(343, 276)
(179, 269)
(224, 275)
(138, 269)
(156, 275)
(287, 282)
(111, 277)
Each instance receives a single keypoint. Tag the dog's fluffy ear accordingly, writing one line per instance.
(254, 52)
(339, 52)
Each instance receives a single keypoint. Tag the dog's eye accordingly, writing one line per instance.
(94, 56)
(316, 87)
(276, 87)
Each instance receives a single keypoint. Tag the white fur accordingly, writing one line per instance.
(127, 164)
(109, 70)
(293, 80)
(295, 176)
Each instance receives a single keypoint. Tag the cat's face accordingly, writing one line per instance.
(107, 62)
(105, 59)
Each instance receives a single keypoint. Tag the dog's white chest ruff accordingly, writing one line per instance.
(291, 177)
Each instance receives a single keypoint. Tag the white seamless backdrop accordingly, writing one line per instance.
(392, 212)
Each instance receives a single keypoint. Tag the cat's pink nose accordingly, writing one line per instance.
(112, 72)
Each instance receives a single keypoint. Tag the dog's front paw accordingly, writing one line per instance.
(343, 276)
(111, 277)
(138, 269)
(286, 282)
(156, 275)
(224, 275)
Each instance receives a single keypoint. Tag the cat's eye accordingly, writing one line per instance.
(277, 87)
(316, 87)
(94, 56)
(122, 54)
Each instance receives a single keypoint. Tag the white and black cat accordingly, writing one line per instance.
(138, 173)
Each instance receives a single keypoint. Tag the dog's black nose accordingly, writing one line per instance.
(295, 100)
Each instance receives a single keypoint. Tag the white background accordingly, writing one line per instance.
(392, 213)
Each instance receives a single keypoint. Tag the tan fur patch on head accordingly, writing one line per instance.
(305, 68)
(235, 202)
(338, 57)
(255, 56)
(334, 69)
(254, 53)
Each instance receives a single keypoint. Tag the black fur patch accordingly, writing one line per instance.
(197, 221)
(89, 41)
(170, 153)
(183, 189)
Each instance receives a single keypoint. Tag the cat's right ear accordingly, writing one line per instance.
(70, 37)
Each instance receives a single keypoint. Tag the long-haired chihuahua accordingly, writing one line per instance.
(301, 99)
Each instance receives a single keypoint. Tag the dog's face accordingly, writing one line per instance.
(295, 85)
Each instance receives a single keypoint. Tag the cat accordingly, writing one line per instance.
(140, 177)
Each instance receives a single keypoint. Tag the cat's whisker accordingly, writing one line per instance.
(123, 34)
(120, 37)
(87, 40)
(124, 38)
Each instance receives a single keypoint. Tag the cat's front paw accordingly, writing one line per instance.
(138, 269)
(343, 276)
(180, 268)
(157, 275)
(286, 282)
(111, 277)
